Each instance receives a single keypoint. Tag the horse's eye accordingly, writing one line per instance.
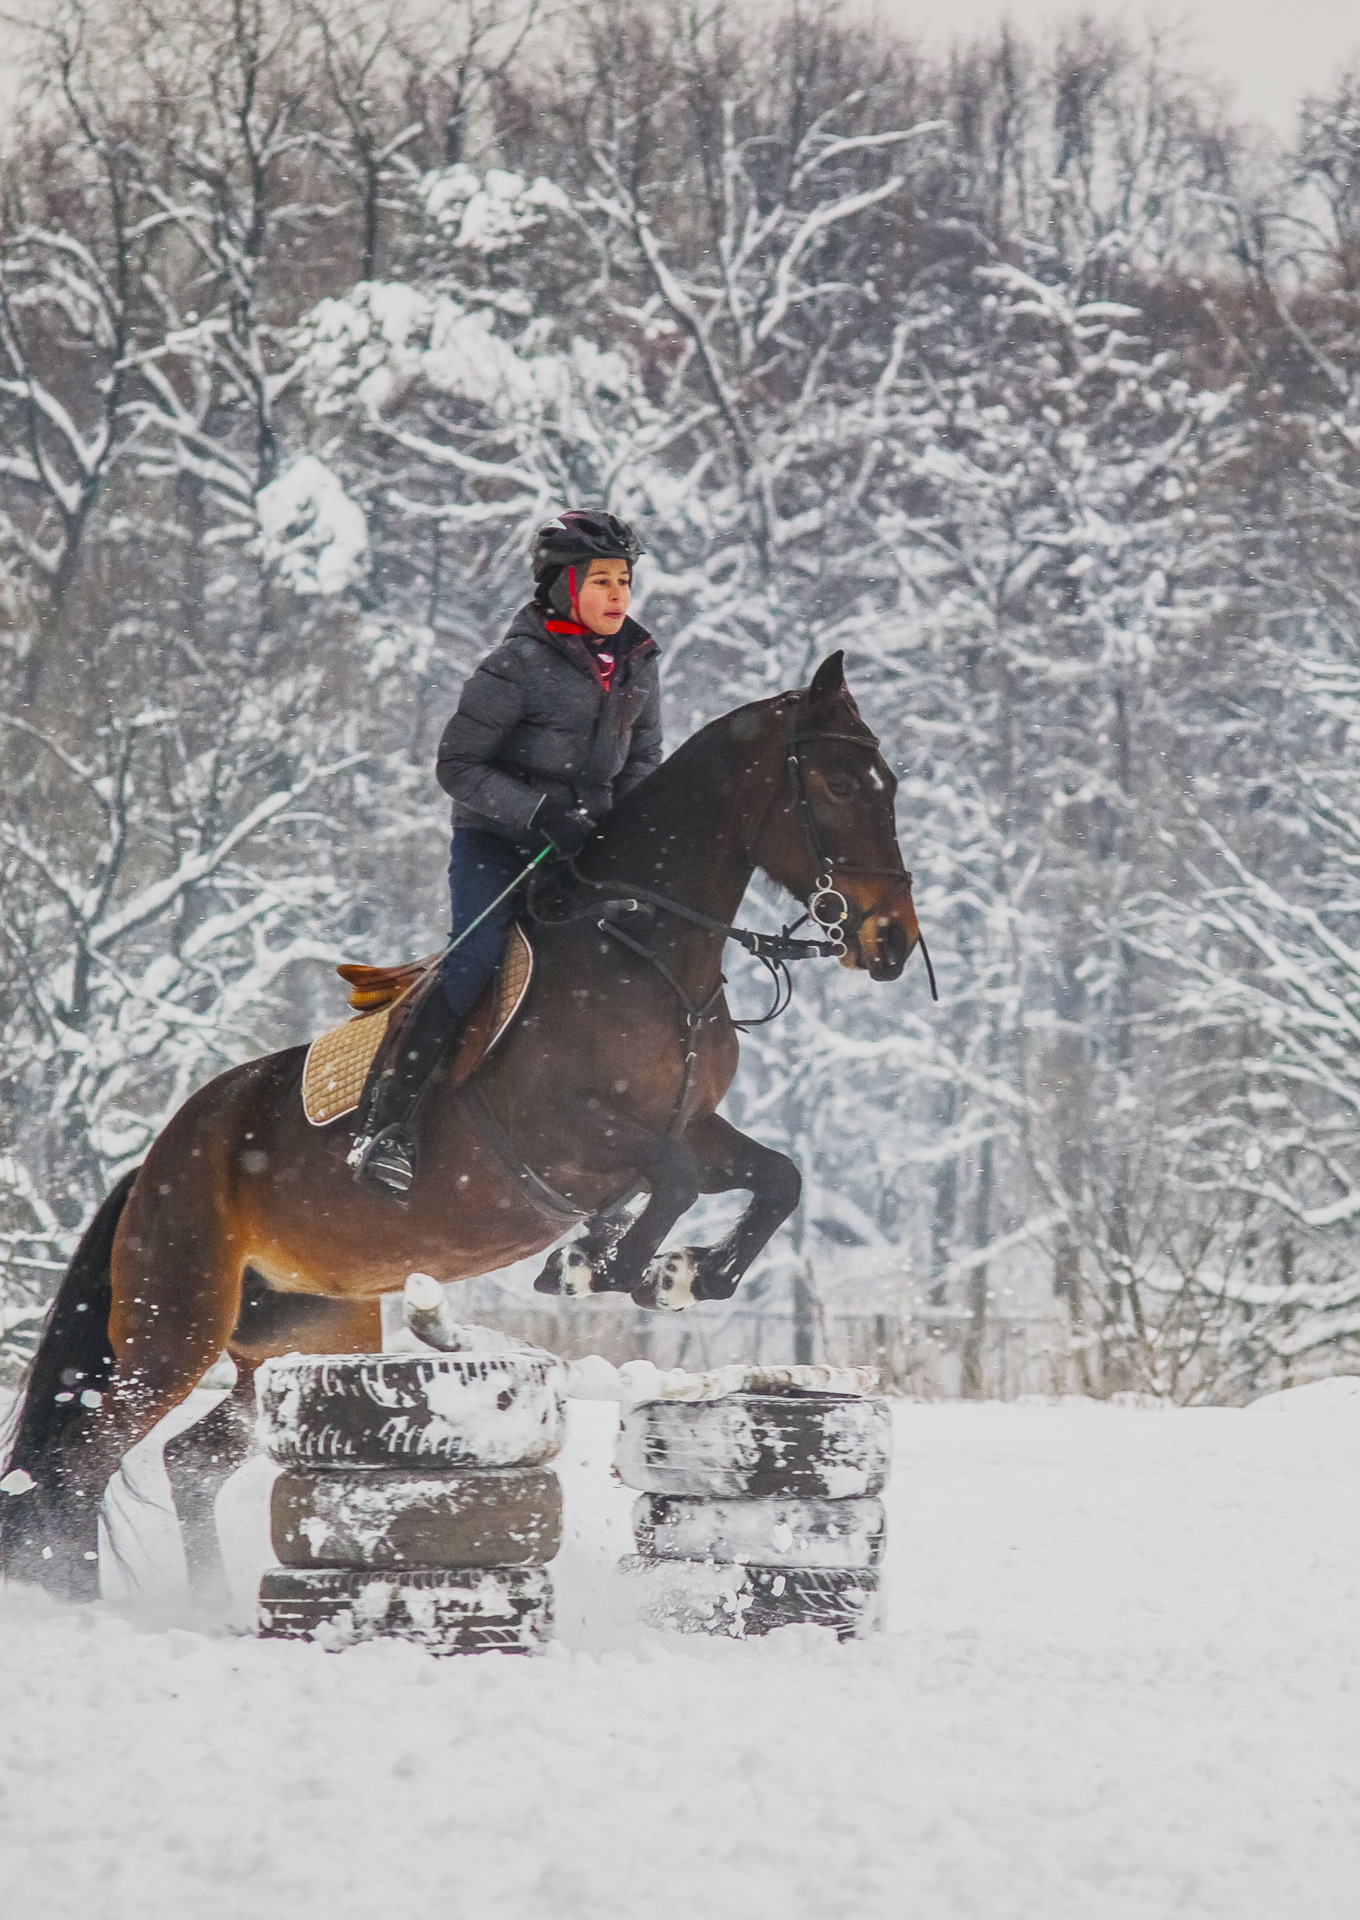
(840, 789)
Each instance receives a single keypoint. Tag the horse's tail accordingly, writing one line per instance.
(74, 1357)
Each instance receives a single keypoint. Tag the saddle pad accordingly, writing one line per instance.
(337, 1065)
(338, 1061)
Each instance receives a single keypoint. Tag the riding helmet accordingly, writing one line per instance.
(577, 537)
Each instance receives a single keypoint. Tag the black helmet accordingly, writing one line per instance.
(578, 535)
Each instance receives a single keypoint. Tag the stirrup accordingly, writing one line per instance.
(386, 1163)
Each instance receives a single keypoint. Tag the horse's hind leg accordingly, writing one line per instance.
(199, 1460)
(52, 1529)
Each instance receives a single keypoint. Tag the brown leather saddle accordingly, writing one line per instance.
(373, 987)
(339, 1061)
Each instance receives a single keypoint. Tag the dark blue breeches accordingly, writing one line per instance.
(481, 865)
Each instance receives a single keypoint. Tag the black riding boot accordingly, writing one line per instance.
(384, 1157)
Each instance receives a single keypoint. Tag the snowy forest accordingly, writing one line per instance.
(1028, 376)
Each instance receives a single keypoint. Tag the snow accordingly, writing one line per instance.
(1119, 1679)
(595, 1379)
(313, 533)
(386, 337)
(1325, 1399)
(489, 214)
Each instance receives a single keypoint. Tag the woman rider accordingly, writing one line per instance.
(553, 728)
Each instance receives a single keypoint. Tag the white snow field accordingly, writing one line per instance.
(1119, 1678)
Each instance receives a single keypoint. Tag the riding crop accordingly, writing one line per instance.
(504, 894)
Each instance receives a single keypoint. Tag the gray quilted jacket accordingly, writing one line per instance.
(534, 720)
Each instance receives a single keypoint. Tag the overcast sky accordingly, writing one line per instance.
(1269, 51)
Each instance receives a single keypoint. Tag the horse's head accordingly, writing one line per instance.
(828, 834)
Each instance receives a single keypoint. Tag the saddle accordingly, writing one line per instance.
(338, 1061)
(373, 987)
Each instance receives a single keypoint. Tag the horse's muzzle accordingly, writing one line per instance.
(881, 947)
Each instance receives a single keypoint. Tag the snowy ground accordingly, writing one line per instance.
(1119, 1678)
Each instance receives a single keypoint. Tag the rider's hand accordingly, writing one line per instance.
(566, 829)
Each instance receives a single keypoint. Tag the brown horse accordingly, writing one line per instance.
(243, 1229)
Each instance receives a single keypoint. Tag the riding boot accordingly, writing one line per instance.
(385, 1156)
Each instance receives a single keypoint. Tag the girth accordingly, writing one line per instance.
(477, 1110)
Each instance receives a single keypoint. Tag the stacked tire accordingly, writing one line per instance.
(758, 1510)
(416, 1502)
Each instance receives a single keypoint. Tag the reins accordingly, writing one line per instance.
(773, 950)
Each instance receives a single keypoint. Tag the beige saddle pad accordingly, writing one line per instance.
(337, 1062)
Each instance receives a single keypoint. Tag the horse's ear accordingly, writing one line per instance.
(828, 681)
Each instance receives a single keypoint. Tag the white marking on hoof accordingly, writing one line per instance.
(574, 1273)
(672, 1277)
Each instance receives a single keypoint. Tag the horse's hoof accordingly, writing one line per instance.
(566, 1273)
(668, 1284)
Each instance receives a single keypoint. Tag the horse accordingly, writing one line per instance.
(243, 1229)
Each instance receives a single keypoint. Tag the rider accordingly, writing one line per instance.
(552, 729)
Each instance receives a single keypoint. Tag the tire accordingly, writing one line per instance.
(742, 1603)
(506, 1610)
(757, 1446)
(437, 1409)
(773, 1533)
(390, 1517)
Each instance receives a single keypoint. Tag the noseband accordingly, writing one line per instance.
(838, 916)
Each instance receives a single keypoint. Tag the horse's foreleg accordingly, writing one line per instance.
(728, 1161)
(615, 1252)
(579, 1267)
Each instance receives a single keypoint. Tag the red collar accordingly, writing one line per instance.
(600, 650)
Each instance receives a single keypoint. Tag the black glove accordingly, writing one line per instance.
(566, 829)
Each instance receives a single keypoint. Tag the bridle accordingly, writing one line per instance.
(833, 914)
(827, 906)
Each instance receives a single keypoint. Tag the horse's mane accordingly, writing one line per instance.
(718, 733)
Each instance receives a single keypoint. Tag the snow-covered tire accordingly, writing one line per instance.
(392, 1517)
(434, 1409)
(694, 1596)
(489, 1610)
(757, 1446)
(775, 1533)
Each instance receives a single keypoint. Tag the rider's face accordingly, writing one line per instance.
(602, 599)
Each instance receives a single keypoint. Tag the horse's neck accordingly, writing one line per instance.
(681, 834)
